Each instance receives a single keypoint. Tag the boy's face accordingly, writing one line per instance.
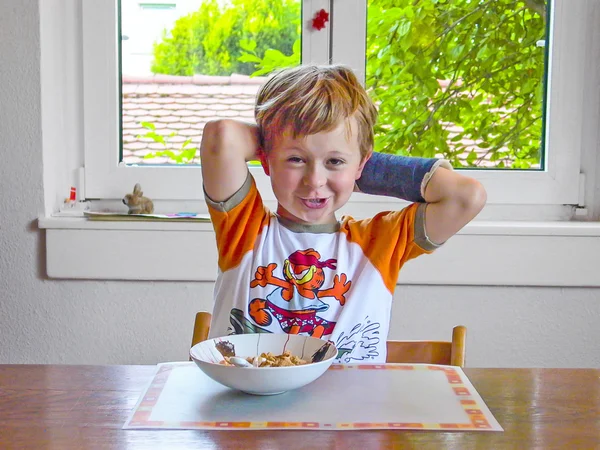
(314, 176)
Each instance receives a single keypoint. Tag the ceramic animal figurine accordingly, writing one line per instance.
(137, 203)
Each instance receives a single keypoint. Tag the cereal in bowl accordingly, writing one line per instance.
(286, 359)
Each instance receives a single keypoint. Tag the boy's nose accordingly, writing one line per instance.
(315, 177)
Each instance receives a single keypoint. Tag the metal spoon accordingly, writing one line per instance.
(239, 362)
(319, 355)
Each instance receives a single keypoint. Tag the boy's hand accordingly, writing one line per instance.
(453, 201)
(226, 147)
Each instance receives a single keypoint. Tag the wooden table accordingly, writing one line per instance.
(63, 407)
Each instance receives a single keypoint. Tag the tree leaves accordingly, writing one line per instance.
(463, 73)
(183, 155)
(220, 38)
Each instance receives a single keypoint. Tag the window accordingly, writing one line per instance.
(558, 182)
(204, 55)
(552, 181)
(107, 172)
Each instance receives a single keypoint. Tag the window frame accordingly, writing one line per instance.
(558, 185)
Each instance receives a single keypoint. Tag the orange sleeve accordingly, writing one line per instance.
(237, 223)
(389, 239)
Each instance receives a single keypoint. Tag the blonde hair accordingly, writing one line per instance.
(309, 99)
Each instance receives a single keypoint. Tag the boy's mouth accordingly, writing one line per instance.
(314, 203)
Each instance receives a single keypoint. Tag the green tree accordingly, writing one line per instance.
(271, 60)
(208, 40)
(485, 51)
(181, 50)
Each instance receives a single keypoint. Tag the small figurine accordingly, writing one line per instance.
(137, 203)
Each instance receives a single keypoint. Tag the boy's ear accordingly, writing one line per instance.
(362, 164)
(263, 160)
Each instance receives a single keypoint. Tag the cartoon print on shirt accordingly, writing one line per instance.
(296, 299)
(360, 343)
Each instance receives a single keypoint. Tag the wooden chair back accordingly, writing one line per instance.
(450, 353)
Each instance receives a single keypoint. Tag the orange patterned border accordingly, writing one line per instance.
(478, 420)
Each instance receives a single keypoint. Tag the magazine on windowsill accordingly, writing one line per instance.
(175, 217)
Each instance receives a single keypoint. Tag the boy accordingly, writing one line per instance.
(300, 270)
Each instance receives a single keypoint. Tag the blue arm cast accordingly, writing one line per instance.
(397, 176)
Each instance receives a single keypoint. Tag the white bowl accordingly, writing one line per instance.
(263, 380)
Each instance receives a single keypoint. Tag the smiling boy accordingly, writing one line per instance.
(300, 269)
(313, 177)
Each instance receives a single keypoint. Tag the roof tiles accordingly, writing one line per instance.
(179, 107)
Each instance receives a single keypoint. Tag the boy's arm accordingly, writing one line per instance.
(453, 201)
(226, 147)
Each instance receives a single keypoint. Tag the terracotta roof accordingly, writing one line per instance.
(179, 107)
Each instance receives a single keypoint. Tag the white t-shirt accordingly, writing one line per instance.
(333, 281)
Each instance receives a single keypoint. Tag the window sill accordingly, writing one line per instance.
(483, 253)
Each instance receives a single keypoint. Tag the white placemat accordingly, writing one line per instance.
(346, 397)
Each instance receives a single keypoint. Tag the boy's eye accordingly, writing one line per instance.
(336, 161)
(294, 159)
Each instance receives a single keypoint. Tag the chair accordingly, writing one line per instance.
(449, 353)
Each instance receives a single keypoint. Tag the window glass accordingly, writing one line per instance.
(186, 62)
(462, 79)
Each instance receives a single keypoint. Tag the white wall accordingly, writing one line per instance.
(91, 322)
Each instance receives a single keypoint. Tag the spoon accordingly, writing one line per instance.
(319, 355)
(239, 362)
